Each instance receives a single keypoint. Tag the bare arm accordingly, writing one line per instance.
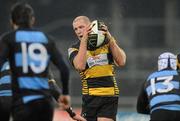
(142, 105)
(80, 59)
(118, 53)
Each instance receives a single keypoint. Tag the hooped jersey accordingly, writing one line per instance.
(163, 90)
(5, 80)
(98, 77)
(29, 52)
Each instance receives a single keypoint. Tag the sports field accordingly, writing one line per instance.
(121, 116)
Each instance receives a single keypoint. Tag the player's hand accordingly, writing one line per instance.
(86, 33)
(77, 117)
(64, 101)
(106, 32)
(73, 115)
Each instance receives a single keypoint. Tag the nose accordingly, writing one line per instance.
(78, 31)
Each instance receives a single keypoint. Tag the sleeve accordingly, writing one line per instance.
(54, 88)
(50, 74)
(72, 52)
(142, 102)
(4, 50)
(58, 61)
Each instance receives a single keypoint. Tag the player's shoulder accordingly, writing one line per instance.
(163, 73)
(73, 48)
(44, 34)
(40, 31)
(152, 75)
(6, 35)
(36, 30)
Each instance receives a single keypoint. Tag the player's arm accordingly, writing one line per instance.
(142, 102)
(4, 50)
(58, 61)
(54, 89)
(118, 53)
(64, 99)
(79, 61)
(56, 92)
(74, 115)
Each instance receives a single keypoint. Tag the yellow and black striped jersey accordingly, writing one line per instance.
(98, 77)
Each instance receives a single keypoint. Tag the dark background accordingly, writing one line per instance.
(143, 28)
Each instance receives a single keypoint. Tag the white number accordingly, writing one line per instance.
(24, 57)
(153, 88)
(39, 56)
(167, 83)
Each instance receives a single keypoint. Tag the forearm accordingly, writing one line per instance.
(80, 59)
(142, 106)
(118, 53)
(55, 89)
(142, 102)
(65, 81)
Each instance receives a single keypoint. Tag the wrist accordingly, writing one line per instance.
(83, 43)
(84, 39)
(112, 40)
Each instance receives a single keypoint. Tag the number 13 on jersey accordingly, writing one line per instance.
(166, 84)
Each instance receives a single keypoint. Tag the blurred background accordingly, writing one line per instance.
(143, 28)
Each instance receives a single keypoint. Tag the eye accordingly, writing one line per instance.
(75, 29)
(81, 27)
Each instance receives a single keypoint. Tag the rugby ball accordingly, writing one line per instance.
(96, 37)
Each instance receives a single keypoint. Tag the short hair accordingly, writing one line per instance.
(21, 14)
(85, 18)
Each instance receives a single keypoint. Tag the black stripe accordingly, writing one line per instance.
(107, 81)
(176, 78)
(5, 73)
(25, 92)
(17, 47)
(5, 87)
(110, 58)
(160, 81)
(29, 92)
(165, 103)
(174, 92)
(19, 73)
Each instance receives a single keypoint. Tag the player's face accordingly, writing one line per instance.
(178, 61)
(178, 65)
(79, 27)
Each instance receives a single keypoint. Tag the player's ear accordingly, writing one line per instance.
(33, 20)
(178, 61)
(11, 22)
(13, 25)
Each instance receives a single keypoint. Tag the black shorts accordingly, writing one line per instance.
(37, 110)
(98, 106)
(165, 115)
(5, 107)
